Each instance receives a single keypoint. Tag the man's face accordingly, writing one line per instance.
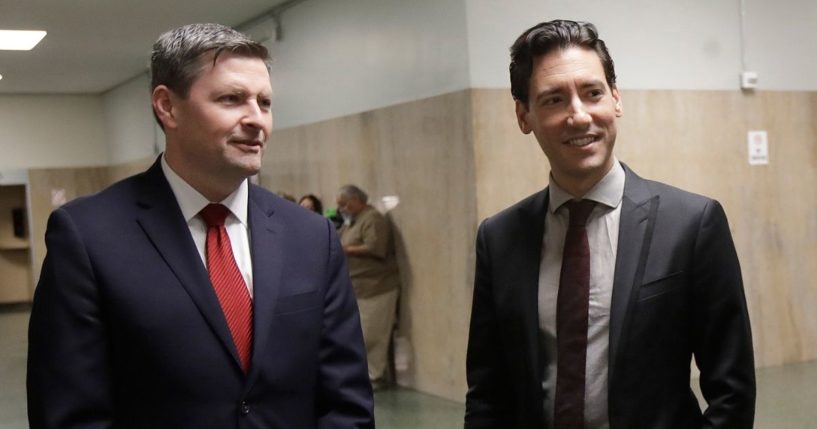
(349, 205)
(572, 112)
(221, 128)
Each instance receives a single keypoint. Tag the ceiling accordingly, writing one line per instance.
(95, 45)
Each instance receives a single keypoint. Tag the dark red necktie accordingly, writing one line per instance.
(571, 320)
(227, 281)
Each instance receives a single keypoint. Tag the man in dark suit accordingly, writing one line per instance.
(592, 296)
(185, 297)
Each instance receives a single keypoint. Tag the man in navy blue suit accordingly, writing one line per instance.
(130, 326)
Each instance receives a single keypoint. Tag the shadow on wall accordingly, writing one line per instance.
(401, 356)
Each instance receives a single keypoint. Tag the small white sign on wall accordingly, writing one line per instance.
(758, 148)
(57, 197)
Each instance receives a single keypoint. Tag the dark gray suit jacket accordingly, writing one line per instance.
(127, 332)
(677, 294)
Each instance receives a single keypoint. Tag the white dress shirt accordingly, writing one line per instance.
(602, 235)
(192, 202)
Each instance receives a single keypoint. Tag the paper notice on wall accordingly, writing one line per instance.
(57, 197)
(758, 148)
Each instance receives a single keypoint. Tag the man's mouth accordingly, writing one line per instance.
(248, 142)
(582, 141)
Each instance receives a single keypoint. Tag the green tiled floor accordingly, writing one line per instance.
(13, 345)
(786, 395)
(408, 409)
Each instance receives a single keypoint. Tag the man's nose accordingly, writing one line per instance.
(255, 116)
(578, 115)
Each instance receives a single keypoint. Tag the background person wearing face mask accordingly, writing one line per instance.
(369, 245)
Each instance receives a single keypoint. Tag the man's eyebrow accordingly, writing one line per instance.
(557, 89)
(592, 83)
(547, 92)
(241, 89)
(230, 89)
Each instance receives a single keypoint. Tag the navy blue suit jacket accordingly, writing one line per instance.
(677, 294)
(126, 330)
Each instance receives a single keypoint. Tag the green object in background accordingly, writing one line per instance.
(334, 216)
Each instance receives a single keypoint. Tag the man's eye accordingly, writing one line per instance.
(230, 98)
(551, 101)
(265, 103)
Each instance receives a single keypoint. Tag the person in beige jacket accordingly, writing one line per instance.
(367, 240)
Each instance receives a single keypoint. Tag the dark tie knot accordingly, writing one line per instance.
(579, 211)
(214, 214)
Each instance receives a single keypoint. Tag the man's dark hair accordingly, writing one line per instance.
(546, 37)
(177, 57)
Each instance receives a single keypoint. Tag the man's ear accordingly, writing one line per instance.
(163, 100)
(617, 98)
(521, 117)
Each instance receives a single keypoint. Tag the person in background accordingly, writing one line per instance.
(592, 296)
(369, 245)
(186, 297)
(311, 202)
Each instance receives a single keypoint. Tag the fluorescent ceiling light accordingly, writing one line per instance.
(13, 40)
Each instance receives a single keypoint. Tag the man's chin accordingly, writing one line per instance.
(240, 172)
(249, 166)
(249, 172)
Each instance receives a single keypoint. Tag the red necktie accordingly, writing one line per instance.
(571, 320)
(227, 281)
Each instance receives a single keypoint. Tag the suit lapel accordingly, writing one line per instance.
(638, 211)
(163, 223)
(267, 266)
(531, 236)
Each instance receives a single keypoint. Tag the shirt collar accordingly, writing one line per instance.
(608, 191)
(363, 211)
(191, 201)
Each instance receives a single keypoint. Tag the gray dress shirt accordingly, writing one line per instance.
(602, 235)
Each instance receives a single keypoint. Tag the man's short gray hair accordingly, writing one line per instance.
(352, 191)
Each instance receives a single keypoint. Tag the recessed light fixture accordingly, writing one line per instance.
(16, 40)
(1, 77)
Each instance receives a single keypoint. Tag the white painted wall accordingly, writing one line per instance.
(344, 57)
(129, 122)
(781, 38)
(43, 131)
(662, 44)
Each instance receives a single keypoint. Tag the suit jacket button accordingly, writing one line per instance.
(245, 408)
